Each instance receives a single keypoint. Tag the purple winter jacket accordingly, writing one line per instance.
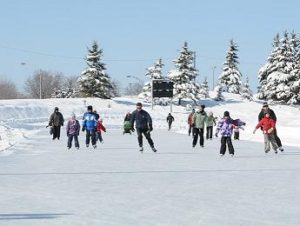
(225, 127)
(73, 127)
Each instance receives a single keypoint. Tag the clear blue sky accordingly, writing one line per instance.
(53, 35)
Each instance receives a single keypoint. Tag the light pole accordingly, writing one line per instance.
(40, 78)
(214, 68)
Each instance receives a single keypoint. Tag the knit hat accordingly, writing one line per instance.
(226, 114)
(265, 104)
(90, 107)
(139, 104)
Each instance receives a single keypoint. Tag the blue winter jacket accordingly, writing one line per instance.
(89, 121)
(142, 119)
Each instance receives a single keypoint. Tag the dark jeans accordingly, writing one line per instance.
(70, 139)
(90, 133)
(209, 132)
(146, 133)
(278, 141)
(227, 140)
(99, 136)
(196, 132)
(236, 136)
(170, 125)
(56, 132)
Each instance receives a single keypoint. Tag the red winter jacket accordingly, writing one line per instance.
(100, 127)
(266, 124)
(190, 119)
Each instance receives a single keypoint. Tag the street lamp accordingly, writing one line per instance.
(214, 68)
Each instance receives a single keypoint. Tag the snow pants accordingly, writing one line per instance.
(236, 136)
(99, 136)
(90, 134)
(224, 141)
(277, 139)
(196, 132)
(70, 139)
(209, 132)
(270, 139)
(146, 133)
(56, 132)
(170, 125)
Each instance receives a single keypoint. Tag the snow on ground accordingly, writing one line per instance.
(43, 183)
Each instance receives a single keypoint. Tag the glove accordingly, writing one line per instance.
(132, 129)
(83, 129)
(150, 128)
(216, 134)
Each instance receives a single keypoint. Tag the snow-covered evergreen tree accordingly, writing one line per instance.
(184, 76)
(204, 89)
(94, 81)
(246, 91)
(230, 78)
(279, 77)
(218, 93)
(153, 72)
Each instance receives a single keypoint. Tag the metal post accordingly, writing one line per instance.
(152, 94)
(214, 67)
(171, 105)
(40, 85)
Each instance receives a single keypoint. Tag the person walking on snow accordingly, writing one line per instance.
(56, 121)
(90, 125)
(143, 125)
(225, 128)
(73, 128)
(210, 122)
(261, 115)
(170, 120)
(190, 122)
(267, 124)
(198, 121)
(100, 127)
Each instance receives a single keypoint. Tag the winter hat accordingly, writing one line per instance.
(203, 106)
(90, 107)
(265, 104)
(139, 104)
(193, 111)
(56, 109)
(226, 113)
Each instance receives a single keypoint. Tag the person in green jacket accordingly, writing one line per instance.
(210, 122)
(199, 119)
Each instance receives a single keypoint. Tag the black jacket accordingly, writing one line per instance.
(170, 119)
(142, 119)
(271, 112)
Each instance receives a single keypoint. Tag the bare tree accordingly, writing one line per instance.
(44, 83)
(116, 88)
(134, 88)
(8, 90)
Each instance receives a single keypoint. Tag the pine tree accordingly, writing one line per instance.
(218, 93)
(246, 91)
(94, 81)
(231, 76)
(279, 77)
(184, 76)
(204, 89)
(153, 72)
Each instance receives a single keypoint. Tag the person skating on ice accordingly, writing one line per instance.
(210, 123)
(56, 121)
(170, 120)
(261, 115)
(225, 127)
(73, 128)
(198, 122)
(143, 125)
(267, 125)
(90, 125)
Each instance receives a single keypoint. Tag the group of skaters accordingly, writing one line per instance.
(92, 124)
(141, 122)
(227, 126)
